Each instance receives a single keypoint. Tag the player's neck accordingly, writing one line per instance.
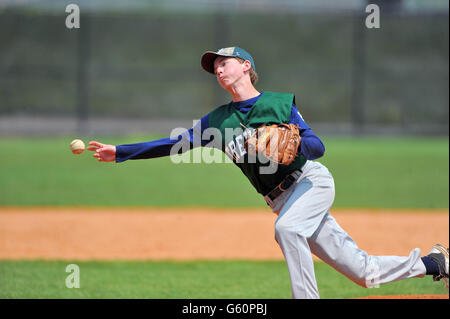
(243, 92)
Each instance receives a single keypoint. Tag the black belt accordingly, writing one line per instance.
(284, 185)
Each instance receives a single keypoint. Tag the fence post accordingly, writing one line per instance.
(222, 38)
(82, 78)
(358, 74)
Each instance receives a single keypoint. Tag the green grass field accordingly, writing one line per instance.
(368, 172)
(184, 280)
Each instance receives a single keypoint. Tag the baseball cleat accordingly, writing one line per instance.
(439, 254)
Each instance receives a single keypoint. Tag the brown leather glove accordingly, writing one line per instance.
(278, 142)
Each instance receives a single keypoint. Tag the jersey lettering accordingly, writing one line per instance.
(240, 145)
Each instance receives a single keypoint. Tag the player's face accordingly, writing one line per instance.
(228, 71)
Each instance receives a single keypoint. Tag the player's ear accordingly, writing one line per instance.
(247, 65)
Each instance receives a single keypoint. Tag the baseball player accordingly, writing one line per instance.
(300, 191)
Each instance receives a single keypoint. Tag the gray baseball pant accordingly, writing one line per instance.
(304, 226)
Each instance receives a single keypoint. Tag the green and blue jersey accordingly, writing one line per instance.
(266, 108)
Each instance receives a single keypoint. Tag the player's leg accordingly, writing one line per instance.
(299, 261)
(297, 220)
(334, 246)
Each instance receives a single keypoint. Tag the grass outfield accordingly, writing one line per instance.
(184, 280)
(368, 172)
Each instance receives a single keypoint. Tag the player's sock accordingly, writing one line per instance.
(431, 266)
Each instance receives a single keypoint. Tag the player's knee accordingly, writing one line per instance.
(360, 281)
(282, 228)
(283, 231)
(358, 276)
(365, 275)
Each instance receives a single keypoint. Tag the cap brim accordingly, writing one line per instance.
(207, 60)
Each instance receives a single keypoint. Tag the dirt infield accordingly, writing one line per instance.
(187, 234)
(192, 234)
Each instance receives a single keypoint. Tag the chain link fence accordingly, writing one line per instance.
(139, 70)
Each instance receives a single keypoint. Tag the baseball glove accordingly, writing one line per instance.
(278, 142)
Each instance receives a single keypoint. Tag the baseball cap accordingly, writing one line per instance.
(208, 57)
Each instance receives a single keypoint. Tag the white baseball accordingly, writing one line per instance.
(77, 146)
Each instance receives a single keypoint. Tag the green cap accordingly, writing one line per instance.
(208, 57)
